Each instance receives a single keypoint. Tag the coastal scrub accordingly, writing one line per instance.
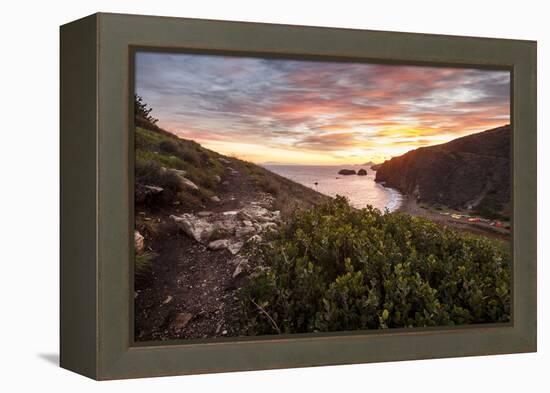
(334, 268)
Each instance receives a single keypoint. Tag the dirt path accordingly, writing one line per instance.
(190, 292)
(411, 207)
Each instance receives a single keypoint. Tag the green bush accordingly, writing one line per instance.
(171, 147)
(335, 268)
(151, 173)
(143, 263)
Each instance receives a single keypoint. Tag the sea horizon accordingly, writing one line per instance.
(360, 190)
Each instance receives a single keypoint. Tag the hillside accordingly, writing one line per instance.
(469, 173)
(197, 212)
(225, 248)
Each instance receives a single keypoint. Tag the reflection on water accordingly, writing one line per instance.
(360, 190)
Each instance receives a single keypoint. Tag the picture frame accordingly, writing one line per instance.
(96, 302)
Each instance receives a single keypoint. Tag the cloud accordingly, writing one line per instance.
(319, 106)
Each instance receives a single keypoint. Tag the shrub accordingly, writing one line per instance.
(143, 111)
(151, 173)
(143, 263)
(171, 147)
(336, 268)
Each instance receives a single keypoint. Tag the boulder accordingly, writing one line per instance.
(217, 179)
(186, 183)
(362, 172)
(243, 232)
(204, 214)
(139, 242)
(220, 244)
(179, 172)
(255, 213)
(197, 228)
(235, 247)
(346, 172)
(215, 199)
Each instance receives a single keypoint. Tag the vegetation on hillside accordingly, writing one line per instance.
(336, 268)
(158, 154)
(162, 159)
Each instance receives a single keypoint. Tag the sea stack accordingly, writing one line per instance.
(346, 172)
(362, 172)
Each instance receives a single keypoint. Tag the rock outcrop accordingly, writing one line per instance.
(229, 230)
(362, 172)
(472, 172)
(346, 172)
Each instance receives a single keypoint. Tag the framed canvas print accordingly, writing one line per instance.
(239, 196)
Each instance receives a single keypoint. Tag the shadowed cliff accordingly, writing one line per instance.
(472, 172)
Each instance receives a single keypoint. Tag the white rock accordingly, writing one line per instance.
(269, 226)
(215, 199)
(185, 182)
(139, 242)
(217, 179)
(218, 244)
(204, 214)
(197, 228)
(255, 239)
(245, 231)
(254, 213)
(235, 247)
(154, 189)
(179, 172)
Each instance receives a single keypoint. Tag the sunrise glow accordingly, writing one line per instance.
(290, 111)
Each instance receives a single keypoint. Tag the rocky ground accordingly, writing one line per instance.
(201, 260)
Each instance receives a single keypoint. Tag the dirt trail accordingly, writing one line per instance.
(411, 207)
(190, 292)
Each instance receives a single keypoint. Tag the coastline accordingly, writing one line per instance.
(413, 208)
(397, 199)
(361, 190)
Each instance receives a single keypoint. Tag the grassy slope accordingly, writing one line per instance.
(156, 149)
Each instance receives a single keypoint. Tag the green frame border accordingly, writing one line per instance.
(96, 331)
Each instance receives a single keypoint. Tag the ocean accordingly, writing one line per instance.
(360, 190)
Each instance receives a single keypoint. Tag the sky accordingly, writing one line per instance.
(317, 112)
